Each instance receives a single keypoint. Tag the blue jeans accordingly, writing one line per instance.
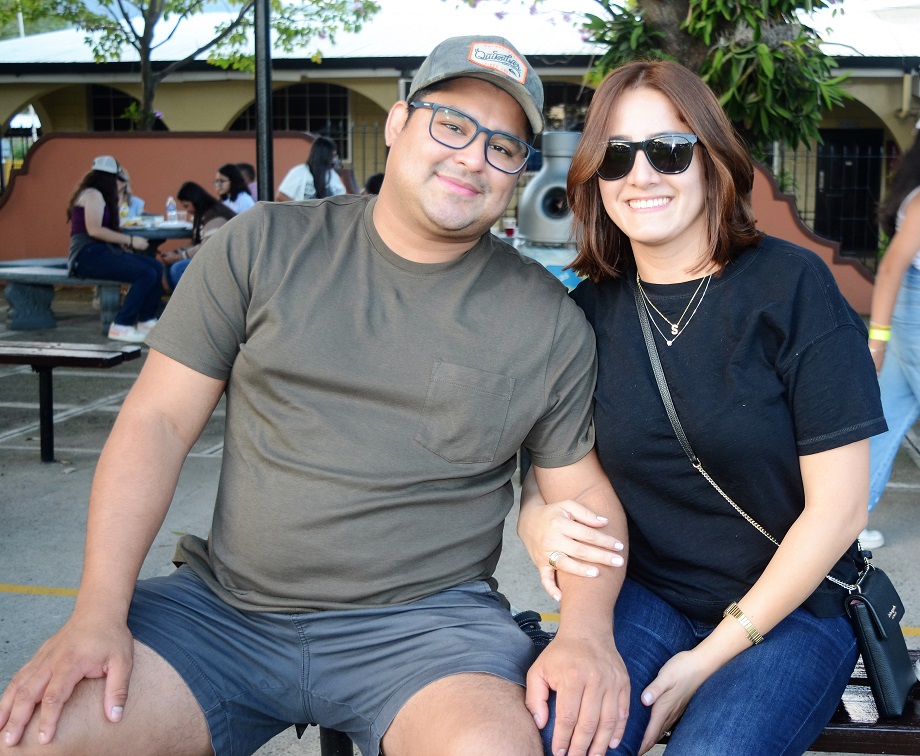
(774, 698)
(174, 272)
(102, 260)
(899, 382)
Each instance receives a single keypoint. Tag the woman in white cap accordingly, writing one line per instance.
(99, 249)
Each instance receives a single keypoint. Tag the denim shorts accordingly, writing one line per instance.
(255, 674)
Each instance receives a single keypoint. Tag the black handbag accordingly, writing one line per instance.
(876, 610)
(872, 603)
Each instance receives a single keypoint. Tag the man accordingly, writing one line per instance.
(383, 359)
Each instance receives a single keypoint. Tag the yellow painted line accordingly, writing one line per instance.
(908, 631)
(37, 590)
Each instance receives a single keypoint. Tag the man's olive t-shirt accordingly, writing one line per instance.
(374, 405)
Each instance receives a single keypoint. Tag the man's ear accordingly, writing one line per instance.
(396, 122)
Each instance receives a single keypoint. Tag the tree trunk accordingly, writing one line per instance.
(666, 16)
(150, 80)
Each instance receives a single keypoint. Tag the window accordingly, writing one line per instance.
(107, 107)
(321, 109)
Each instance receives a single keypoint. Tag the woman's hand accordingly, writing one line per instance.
(669, 693)
(570, 528)
(138, 244)
(169, 257)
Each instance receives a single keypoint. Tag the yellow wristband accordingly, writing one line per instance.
(735, 611)
(880, 334)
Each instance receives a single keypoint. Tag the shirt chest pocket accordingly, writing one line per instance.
(465, 413)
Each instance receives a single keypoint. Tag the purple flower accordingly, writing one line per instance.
(157, 114)
(500, 15)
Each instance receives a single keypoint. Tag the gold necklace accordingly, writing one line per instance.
(676, 328)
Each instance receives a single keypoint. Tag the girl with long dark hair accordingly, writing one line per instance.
(99, 249)
(316, 178)
(208, 214)
(232, 188)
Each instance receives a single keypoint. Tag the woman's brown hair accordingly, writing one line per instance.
(604, 251)
(105, 184)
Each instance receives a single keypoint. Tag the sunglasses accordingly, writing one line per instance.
(457, 130)
(668, 153)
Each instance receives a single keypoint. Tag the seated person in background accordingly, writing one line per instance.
(125, 195)
(316, 178)
(249, 174)
(231, 186)
(208, 214)
(99, 249)
(373, 184)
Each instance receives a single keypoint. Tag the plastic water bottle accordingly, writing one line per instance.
(171, 215)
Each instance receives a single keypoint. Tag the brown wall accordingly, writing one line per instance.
(776, 214)
(33, 209)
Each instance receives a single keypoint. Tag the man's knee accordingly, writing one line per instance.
(464, 715)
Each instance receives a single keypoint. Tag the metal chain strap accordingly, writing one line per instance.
(682, 437)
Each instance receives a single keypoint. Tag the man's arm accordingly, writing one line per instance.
(162, 417)
(582, 664)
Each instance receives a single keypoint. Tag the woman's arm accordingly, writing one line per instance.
(836, 490)
(93, 206)
(566, 526)
(905, 244)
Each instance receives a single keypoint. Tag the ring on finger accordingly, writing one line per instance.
(554, 557)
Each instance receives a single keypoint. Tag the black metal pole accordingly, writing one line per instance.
(45, 412)
(264, 153)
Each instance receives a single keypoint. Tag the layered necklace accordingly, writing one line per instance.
(676, 328)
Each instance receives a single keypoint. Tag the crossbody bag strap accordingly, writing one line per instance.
(668, 402)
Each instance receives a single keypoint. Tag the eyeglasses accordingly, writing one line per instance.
(668, 153)
(457, 130)
(219, 181)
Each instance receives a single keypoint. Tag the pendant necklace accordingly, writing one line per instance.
(676, 328)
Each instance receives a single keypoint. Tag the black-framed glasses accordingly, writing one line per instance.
(668, 153)
(456, 130)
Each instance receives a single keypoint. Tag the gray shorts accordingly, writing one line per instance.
(255, 674)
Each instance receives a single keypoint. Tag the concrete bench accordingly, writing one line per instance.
(43, 357)
(854, 728)
(30, 291)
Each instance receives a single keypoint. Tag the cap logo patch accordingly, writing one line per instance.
(498, 58)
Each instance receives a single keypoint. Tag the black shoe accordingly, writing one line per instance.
(529, 622)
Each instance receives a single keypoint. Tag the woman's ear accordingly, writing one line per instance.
(396, 122)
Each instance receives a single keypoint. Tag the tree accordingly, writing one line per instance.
(112, 26)
(763, 62)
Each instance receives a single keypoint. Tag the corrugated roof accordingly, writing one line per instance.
(410, 28)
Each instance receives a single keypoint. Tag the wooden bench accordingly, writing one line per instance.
(43, 357)
(30, 290)
(854, 728)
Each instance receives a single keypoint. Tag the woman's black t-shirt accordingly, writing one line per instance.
(773, 365)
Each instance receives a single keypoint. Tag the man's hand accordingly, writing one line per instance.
(592, 692)
(83, 648)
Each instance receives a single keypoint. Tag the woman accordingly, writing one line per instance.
(316, 178)
(208, 215)
(98, 249)
(231, 186)
(894, 329)
(774, 387)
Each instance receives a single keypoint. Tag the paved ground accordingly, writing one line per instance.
(43, 506)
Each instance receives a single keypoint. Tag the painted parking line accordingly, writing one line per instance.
(38, 590)
(554, 617)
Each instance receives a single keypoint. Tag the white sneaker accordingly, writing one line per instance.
(871, 539)
(145, 326)
(126, 333)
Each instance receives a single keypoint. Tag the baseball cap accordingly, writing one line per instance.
(492, 59)
(106, 164)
